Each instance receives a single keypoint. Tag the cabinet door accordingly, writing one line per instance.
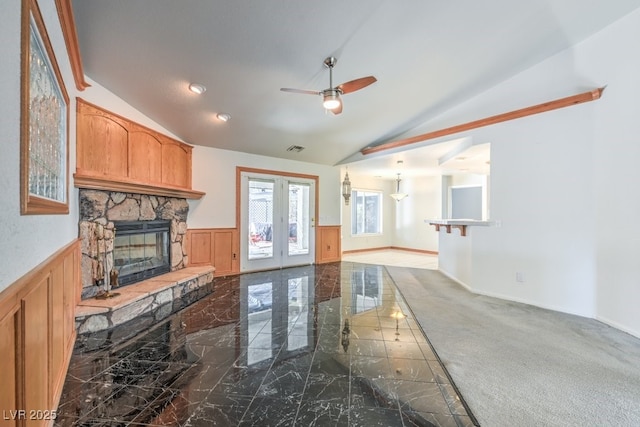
(329, 249)
(108, 156)
(145, 157)
(176, 165)
(225, 255)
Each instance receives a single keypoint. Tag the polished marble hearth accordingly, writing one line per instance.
(326, 345)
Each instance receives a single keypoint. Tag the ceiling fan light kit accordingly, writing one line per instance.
(331, 96)
(331, 99)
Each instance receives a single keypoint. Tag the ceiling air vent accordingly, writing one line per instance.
(295, 148)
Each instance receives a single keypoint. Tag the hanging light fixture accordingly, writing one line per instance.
(346, 188)
(330, 99)
(397, 196)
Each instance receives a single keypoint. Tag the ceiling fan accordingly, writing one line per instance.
(331, 96)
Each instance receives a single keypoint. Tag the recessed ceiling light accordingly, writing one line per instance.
(225, 117)
(197, 88)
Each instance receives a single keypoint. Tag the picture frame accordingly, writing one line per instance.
(44, 127)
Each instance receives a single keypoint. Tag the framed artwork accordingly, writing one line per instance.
(44, 134)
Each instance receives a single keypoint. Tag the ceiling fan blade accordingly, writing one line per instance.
(356, 84)
(303, 91)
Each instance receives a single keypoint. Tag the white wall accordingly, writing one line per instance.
(403, 222)
(455, 255)
(363, 182)
(564, 183)
(28, 240)
(541, 179)
(424, 202)
(214, 172)
(611, 59)
(103, 98)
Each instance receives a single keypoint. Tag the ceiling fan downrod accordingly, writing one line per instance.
(330, 62)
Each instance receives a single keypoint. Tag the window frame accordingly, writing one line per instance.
(353, 213)
(55, 141)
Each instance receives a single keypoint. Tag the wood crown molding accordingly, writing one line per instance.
(68, 24)
(114, 184)
(512, 115)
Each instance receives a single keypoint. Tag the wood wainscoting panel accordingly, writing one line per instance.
(200, 247)
(328, 244)
(37, 334)
(218, 247)
(8, 345)
(35, 343)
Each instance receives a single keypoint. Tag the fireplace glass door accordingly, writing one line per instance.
(141, 250)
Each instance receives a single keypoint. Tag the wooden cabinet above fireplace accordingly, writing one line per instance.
(117, 154)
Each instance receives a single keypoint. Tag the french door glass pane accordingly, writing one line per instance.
(298, 290)
(260, 299)
(260, 219)
(298, 219)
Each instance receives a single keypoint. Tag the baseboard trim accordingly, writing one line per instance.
(383, 248)
(618, 325)
(459, 282)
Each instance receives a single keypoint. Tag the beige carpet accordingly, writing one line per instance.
(519, 365)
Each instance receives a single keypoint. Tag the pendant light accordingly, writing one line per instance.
(397, 196)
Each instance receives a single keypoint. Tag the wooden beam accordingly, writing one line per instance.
(512, 115)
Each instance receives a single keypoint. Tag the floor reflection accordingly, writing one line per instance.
(332, 344)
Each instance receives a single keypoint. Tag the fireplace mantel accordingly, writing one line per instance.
(112, 184)
(114, 153)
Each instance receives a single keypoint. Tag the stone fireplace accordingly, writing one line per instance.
(102, 213)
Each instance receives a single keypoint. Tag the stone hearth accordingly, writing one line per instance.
(152, 299)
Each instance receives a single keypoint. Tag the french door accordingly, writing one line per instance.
(277, 224)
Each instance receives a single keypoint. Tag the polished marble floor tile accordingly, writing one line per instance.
(326, 345)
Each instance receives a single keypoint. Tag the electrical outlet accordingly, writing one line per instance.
(519, 277)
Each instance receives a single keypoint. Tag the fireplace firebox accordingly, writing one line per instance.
(141, 250)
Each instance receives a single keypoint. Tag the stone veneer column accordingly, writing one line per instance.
(98, 210)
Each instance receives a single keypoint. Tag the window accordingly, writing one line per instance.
(366, 212)
(44, 122)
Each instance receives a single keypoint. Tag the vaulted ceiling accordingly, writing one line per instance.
(427, 56)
